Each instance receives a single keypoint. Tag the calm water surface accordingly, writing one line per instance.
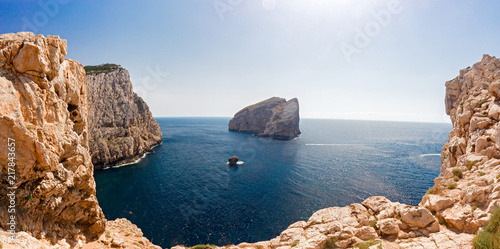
(185, 193)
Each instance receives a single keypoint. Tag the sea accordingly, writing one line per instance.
(185, 193)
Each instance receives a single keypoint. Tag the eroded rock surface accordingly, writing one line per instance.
(43, 110)
(43, 107)
(274, 117)
(119, 233)
(121, 126)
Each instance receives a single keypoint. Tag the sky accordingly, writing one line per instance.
(343, 59)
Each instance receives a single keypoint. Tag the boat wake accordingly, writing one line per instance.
(424, 155)
(334, 144)
(237, 163)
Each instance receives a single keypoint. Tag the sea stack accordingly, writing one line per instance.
(274, 117)
(121, 127)
(233, 160)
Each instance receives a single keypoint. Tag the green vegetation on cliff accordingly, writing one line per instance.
(104, 68)
(489, 237)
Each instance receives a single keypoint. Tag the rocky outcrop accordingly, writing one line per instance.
(470, 164)
(122, 129)
(459, 204)
(44, 135)
(274, 117)
(43, 111)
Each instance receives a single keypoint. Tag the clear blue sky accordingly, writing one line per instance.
(350, 59)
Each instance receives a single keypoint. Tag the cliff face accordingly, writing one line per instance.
(122, 128)
(473, 147)
(461, 202)
(46, 164)
(44, 112)
(274, 117)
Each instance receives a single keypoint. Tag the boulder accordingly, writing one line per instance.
(376, 203)
(366, 233)
(417, 217)
(436, 202)
(388, 226)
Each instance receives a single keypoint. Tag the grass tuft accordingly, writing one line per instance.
(295, 243)
(367, 244)
(430, 191)
(457, 172)
(481, 173)
(489, 237)
(451, 185)
(207, 246)
(330, 243)
(469, 165)
(441, 220)
(473, 208)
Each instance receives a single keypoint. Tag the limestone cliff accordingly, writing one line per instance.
(44, 155)
(44, 109)
(461, 202)
(121, 126)
(472, 152)
(274, 117)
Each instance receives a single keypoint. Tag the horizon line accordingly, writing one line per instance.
(380, 120)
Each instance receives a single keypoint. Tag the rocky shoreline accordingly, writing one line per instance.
(45, 109)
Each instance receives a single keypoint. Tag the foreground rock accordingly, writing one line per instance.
(274, 117)
(121, 126)
(43, 107)
(461, 202)
(119, 233)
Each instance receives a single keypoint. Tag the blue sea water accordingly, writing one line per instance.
(185, 193)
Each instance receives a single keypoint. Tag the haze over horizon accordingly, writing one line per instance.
(343, 59)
